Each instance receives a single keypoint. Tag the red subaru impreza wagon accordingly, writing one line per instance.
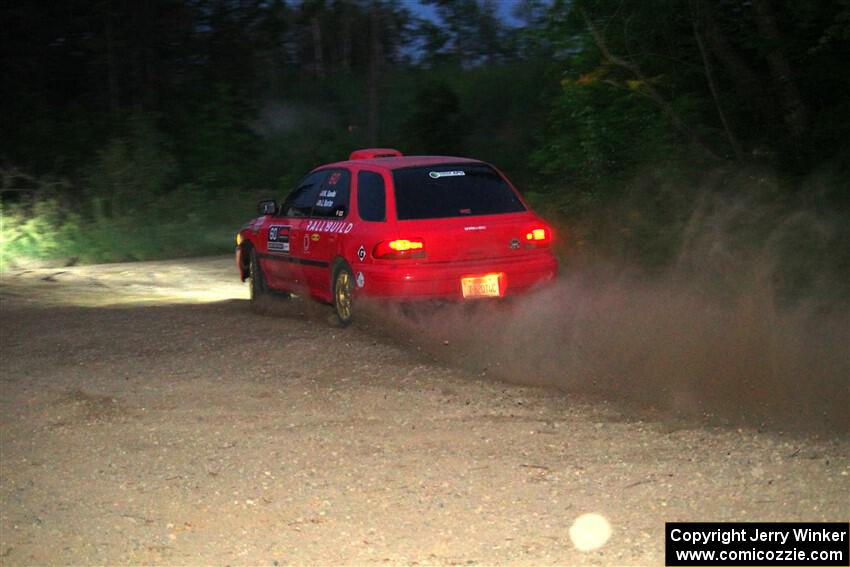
(406, 228)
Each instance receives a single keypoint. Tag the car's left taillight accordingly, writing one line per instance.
(399, 249)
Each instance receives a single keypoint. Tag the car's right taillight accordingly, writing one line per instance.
(399, 249)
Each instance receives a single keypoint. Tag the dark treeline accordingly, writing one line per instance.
(618, 115)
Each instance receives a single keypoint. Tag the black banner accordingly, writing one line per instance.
(757, 543)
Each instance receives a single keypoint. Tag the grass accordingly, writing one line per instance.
(43, 233)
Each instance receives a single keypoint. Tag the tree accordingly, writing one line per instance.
(474, 33)
(436, 125)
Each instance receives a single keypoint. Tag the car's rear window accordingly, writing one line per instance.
(452, 190)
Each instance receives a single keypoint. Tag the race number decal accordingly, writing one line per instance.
(279, 239)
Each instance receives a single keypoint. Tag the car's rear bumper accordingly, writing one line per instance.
(403, 281)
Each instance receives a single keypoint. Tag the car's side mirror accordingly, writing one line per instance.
(266, 207)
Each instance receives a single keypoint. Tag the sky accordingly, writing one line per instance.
(505, 8)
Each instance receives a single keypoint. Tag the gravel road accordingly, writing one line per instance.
(149, 417)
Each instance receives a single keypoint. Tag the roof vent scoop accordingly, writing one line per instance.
(371, 153)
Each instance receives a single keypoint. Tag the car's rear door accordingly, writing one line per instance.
(329, 223)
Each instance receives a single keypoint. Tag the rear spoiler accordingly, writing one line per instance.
(370, 153)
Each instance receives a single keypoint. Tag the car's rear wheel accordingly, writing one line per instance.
(343, 294)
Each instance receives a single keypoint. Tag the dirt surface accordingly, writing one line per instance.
(149, 417)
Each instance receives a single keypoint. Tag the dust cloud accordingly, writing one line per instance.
(749, 325)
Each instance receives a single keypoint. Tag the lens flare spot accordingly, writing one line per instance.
(590, 532)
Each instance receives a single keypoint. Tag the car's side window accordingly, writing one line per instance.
(371, 196)
(333, 196)
(301, 200)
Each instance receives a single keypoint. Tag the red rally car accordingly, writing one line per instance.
(397, 227)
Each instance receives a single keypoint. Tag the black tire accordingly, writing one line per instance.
(256, 281)
(343, 294)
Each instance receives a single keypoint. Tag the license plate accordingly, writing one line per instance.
(481, 286)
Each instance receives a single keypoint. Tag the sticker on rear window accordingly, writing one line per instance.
(438, 174)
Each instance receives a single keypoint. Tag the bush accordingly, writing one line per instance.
(185, 222)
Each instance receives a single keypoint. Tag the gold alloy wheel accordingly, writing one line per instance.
(342, 295)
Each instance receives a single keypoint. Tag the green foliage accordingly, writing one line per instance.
(473, 31)
(506, 105)
(611, 114)
(39, 233)
(216, 144)
(187, 221)
(28, 237)
(597, 138)
(436, 125)
(129, 173)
